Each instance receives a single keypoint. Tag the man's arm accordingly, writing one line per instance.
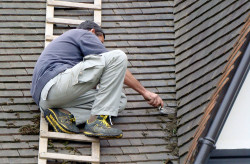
(152, 98)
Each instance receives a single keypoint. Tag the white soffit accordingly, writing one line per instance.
(236, 131)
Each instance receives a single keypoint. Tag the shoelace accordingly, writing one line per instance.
(72, 119)
(104, 121)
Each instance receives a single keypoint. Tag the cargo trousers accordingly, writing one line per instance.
(75, 89)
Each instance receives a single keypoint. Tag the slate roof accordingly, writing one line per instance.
(143, 29)
(205, 33)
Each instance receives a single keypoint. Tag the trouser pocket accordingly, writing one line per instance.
(91, 69)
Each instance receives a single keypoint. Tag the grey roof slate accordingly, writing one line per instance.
(205, 33)
(143, 29)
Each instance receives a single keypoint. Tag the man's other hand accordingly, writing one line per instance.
(153, 99)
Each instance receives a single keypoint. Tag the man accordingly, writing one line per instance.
(65, 82)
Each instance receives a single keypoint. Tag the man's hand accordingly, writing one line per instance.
(153, 99)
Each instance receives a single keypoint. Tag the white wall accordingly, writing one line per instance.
(236, 131)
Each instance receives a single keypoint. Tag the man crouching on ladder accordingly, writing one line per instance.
(65, 79)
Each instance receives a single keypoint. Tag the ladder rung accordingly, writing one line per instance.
(73, 4)
(51, 37)
(74, 137)
(77, 158)
(64, 21)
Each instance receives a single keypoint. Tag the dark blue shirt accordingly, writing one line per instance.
(62, 53)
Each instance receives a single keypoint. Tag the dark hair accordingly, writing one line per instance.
(88, 25)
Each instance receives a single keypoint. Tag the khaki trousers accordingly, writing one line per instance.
(73, 89)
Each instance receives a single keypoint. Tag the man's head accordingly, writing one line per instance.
(94, 28)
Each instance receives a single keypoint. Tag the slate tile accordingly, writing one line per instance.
(133, 11)
(35, 5)
(110, 6)
(10, 93)
(22, 160)
(28, 152)
(139, 134)
(119, 142)
(2, 86)
(17, 123)
(17, 86)
(104, 143)
(152, 119)
(124, 5)
(8, 116)
(30, 57)
(141, 4)
(26, 93)
(198, 83)
(109, 158)
(186, 137)
(111, 151)
(184, 148)
(136, 142)
(151, 162)
(158, 126)
(215, 11)
(192, 114)
(24, 78)
(5, 65)
(28, 44)
(129, 150)
(84, 151)
(10, 153)
(41, 11)
(10, 131)
(34, 144)
(7, 11)
(119, 11)
(6, 138)
(108, 12)
(152, 149)
(29, 71)
(3, 18)
(7, 44)
(140, 157)
(5, 160)
(123, 158)
(153, 141)
(161, 4)
(202, 99)
(122, 44)
(159, 156)
(131, 127)
(33, 107)
(113, 18)
(17, 145)
(183, 158)
(126, 120)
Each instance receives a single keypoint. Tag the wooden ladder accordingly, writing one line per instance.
(50, 20)
(43, 155)
(43, 145)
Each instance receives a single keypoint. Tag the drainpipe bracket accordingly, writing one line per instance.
(208, 141)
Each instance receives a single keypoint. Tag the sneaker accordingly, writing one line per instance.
(61, 122)
(101, 128)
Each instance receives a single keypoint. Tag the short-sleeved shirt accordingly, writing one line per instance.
(63, 53)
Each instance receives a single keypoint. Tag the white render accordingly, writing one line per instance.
(236, 131)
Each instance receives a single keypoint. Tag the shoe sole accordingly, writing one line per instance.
(49, 117)
(89, 134)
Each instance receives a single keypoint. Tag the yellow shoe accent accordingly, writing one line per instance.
(56, 117)
(58, 125)
(47, 117)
